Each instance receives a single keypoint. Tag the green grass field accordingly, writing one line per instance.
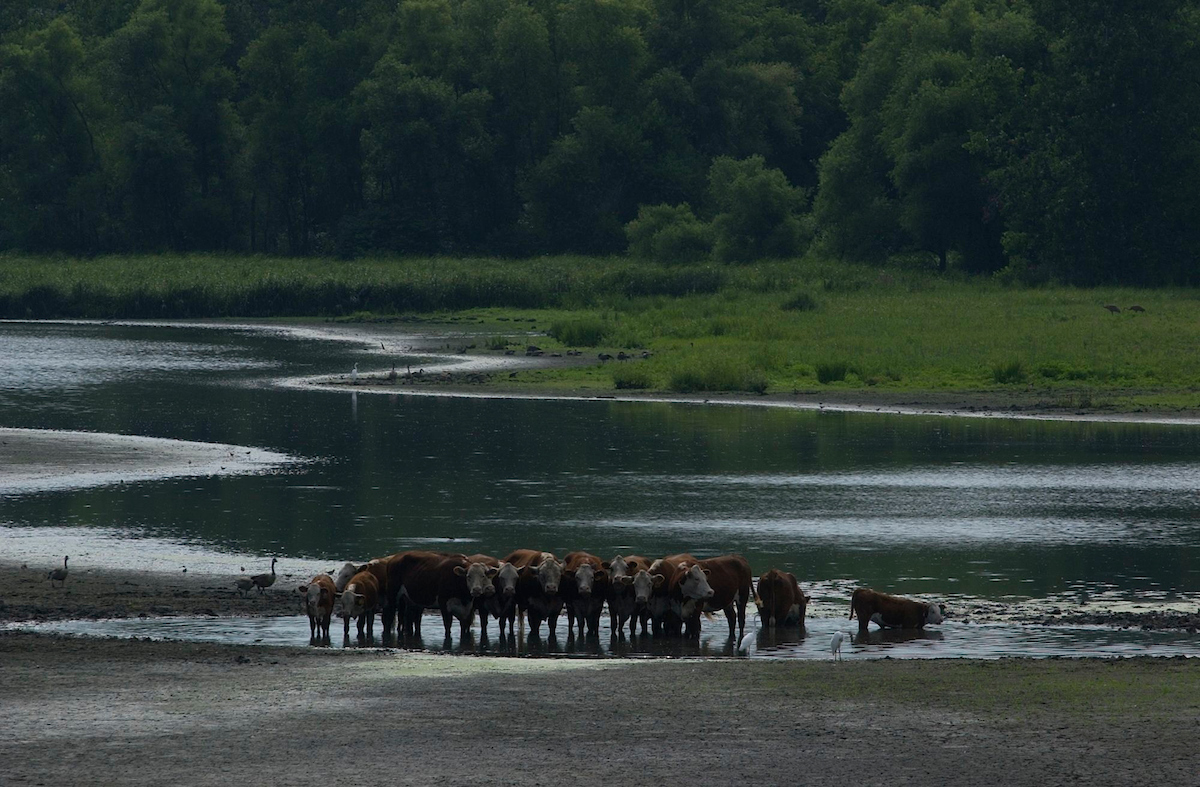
(767, 328)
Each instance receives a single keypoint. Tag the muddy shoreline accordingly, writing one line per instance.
(98, 712)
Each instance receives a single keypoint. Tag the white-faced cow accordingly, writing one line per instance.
(537, 588)
(585, 585)
(359, 601)
(502, 604)
(622, 604)
(780, 600)
(318, 595)
(892, 611)
(639, 591)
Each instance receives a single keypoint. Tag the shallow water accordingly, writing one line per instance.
(955, 508)
(950, 640)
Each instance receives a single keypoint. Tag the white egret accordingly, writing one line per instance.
(835, 645)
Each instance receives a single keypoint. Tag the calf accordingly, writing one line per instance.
(537, 588)
(585, 585)
(892, 611)
(359, 600)
(318, 595)
(780, 600)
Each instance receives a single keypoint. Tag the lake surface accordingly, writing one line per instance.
(958, 508)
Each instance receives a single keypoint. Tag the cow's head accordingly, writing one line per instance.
(585, 578)
(644, 584)
(617, 567)
(505, 580)
(344, 575)
(314, 596)
(693, 583)
(351, 603)
(479, 578)
(935, 613)
(549, 574)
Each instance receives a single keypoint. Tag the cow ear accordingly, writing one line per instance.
(570, 573)
(462, 572)
(302, 589)
(625, 580)
(492, 571)
(659, 579)
(601, 574)
(605, 564)
(707, 573)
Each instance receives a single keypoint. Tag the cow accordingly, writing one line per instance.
(780, 600)
(319, 595)
(622, 603)
(662, 617)
(463, 585)
(537, 588)
(418, 577)
(585, 585)
(343, 575)
(359, 600)
(732, 584)
(502, 604)
(638, 591)
(892, 611)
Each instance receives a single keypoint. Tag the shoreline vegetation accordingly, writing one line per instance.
(807, 328)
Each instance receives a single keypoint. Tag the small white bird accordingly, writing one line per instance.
(749, 641)
(354, 374)
(835, 645)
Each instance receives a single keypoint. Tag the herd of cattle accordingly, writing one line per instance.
(663, 596)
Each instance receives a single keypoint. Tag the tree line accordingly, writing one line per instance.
(1041, 139)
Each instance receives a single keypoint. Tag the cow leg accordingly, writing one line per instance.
(483, 615)
(571, 622)
(346, 628)
(446, 616)
(464, 625)
(731, 616)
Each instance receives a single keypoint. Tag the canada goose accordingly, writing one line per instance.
(262, 581)
(59, 574)
(1113, 309)
(244, 584)
(1135, 308)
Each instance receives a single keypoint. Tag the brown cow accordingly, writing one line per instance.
(318, 603)
(664, 618)
(780, 600)
(537, 588)
(892, 611)
(585, 585)
(732, 585)
(399, 567)
(359, 600)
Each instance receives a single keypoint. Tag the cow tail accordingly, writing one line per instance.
(852, 612)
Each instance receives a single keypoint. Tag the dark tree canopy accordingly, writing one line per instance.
(1048, 139)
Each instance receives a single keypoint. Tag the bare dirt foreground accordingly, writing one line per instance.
(88, 712)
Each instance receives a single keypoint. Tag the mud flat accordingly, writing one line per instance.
(35, 460)
(88, 712)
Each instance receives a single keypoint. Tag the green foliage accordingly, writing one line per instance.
(580, 333)
(668, 233)
(832, 371)
(800, 302)
(1043, 140)
(632, 376)
(757, 210)
(1008, 372)
(717, 374)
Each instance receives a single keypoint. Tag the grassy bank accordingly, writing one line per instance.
(807, 325)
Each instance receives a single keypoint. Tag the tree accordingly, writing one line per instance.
(757, 211)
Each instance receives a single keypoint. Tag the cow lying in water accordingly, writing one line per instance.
(892, 611)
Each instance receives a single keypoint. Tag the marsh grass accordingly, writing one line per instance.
(710, 328)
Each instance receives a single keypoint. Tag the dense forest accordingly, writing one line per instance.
(1041, 139)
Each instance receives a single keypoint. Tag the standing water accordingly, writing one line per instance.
(961, 509)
